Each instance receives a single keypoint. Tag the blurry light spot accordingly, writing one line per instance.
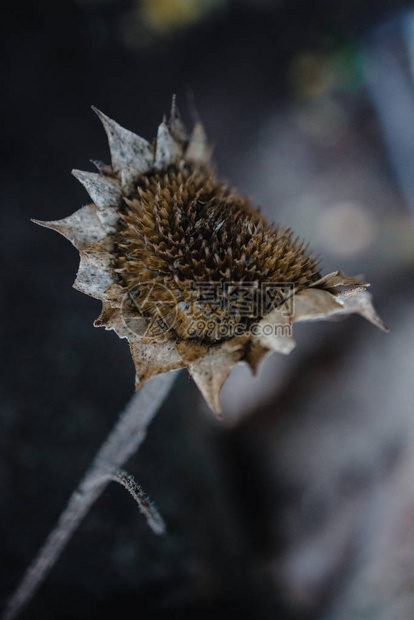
(162, 16)
(347, 229)
(311, 75)
(314, 74)
(397, 240)
(323, 120)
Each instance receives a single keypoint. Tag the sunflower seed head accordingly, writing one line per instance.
(170, 250)
(184, 229)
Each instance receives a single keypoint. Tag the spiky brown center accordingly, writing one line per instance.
(199, 260)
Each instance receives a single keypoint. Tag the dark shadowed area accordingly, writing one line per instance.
(300, 504)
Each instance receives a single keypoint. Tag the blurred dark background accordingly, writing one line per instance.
(300, 505)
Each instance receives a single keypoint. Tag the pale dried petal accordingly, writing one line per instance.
(108, 217)
(101, 166)
(318, 304)
(255, 355)
(152, 358)
(125, 324)
(129, 176)
(211, 371)
(176, 125)
(127, 149)
(168, 149)
(198, 151)
(95, 273)
(362, 305)
(82, 228)
(104, 191)
(312, 304)
(274, 332)
(115, 295)
(110, 318)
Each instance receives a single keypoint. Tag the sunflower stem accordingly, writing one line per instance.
(124, 440)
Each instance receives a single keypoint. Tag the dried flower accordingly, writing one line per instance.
(186, 269)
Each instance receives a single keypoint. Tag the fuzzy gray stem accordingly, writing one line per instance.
(153, 517)
(124, 440)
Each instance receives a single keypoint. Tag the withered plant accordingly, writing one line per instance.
(192, 276)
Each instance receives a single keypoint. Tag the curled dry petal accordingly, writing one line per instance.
(336, 279)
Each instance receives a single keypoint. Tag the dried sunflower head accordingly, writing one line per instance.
(187, 270)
